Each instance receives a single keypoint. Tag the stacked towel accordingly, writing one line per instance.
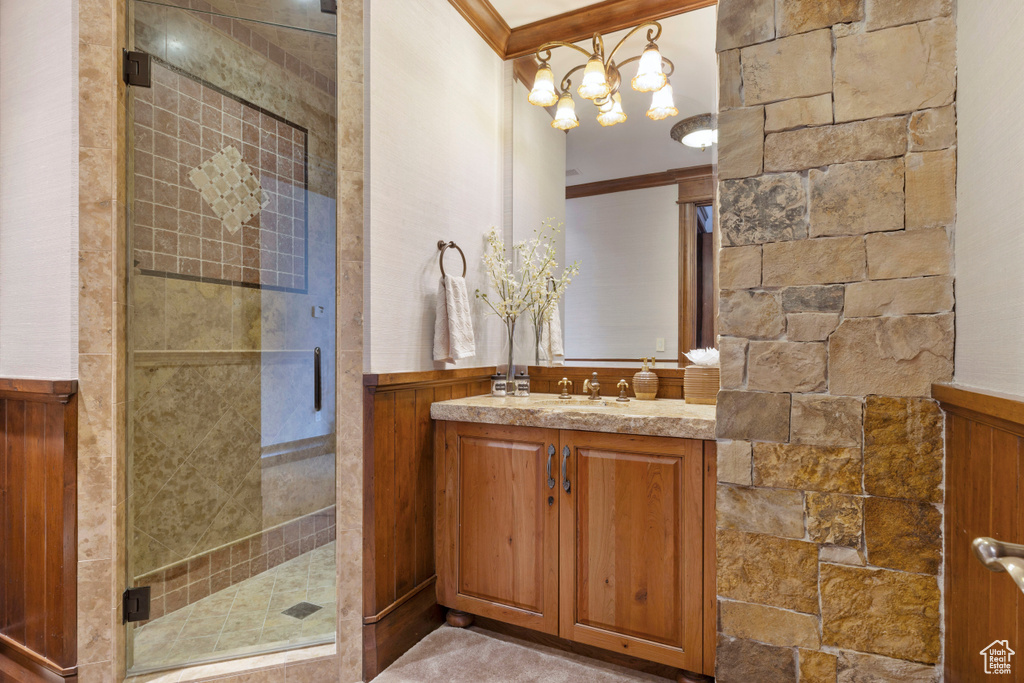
(551, 350)
(453, 326)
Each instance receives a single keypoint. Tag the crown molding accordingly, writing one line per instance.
(603, 17)
(486, 21)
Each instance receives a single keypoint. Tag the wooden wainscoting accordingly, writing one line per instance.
(544, 380)
(38, 529)
(984, 466)
(399, 603)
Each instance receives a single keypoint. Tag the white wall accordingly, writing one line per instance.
(627, 292)
(990, 198)
(39, 189)
(538, 170)
(435, 165)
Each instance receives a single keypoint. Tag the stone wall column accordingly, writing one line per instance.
(837, 168)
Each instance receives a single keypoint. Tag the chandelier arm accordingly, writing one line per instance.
(652, 25)
(546, 47)
(566, 83)
(599, 46)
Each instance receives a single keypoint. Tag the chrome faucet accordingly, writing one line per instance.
(593, 386)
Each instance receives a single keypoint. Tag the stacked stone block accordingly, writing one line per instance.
(837, 204)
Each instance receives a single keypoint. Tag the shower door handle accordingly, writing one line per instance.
(317, 387)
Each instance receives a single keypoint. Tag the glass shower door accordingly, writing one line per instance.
(231, 482)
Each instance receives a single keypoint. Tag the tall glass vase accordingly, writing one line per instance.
(537, 330)
(510, 341)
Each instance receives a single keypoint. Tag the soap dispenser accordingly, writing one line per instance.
(645, 383)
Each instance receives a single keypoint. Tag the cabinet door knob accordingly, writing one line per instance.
(565, 475)
(551, 454)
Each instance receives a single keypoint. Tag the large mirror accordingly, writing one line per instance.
(636, 204)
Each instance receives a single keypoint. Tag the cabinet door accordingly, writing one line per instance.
(500, 519)
(631, 555)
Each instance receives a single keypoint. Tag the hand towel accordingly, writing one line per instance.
(453, 326)
(551, 349)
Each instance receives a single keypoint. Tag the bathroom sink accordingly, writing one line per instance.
(578, 403)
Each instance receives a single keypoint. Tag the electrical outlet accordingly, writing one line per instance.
(660, 343)
(318, 311)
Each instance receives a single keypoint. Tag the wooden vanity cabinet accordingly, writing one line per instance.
(610, 554)
(497, 523)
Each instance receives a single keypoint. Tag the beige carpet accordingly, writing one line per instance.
(454, 655)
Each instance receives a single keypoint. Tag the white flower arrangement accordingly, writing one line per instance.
(520, 280)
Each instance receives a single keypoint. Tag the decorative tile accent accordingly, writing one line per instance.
(221, 187)
(229, 187)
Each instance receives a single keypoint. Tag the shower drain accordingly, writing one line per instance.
(302, 610)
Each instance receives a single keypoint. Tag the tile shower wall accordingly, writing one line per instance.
(837, 208)
(186, 583)
(220, 186)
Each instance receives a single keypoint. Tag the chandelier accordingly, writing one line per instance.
(602, 78)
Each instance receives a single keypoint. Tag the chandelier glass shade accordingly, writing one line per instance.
(662, 104)
(611, 111)
(565, 115)
(649, 76)
(602, 79)
(543, 93)
(595, 81)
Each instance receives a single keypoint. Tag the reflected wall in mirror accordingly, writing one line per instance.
(636, 204)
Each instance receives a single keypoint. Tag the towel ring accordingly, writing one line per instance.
(443, 247)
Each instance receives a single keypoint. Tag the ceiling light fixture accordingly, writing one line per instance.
(696, 131)
(601, 80)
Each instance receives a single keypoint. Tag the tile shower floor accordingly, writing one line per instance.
(247, 617)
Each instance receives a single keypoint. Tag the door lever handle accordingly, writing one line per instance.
(565, 475)
(998, 556)
(551, 454)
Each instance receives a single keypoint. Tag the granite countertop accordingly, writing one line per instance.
(663, 417)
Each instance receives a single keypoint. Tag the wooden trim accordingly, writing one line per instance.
(1006, 408)
(38, 525)
(401, 380)
(701, 175)
(687, 339)
(616, 360)
(604, 17)
(429, 583)
(61, 389)
(388, 639)
(698, 189)
(399, 606)
(486, 21)
(18, 664)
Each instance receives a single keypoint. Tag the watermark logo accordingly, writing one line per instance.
(997, 657)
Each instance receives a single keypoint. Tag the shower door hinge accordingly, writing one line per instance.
(329, 6)
(137, 69)
(135, 604)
